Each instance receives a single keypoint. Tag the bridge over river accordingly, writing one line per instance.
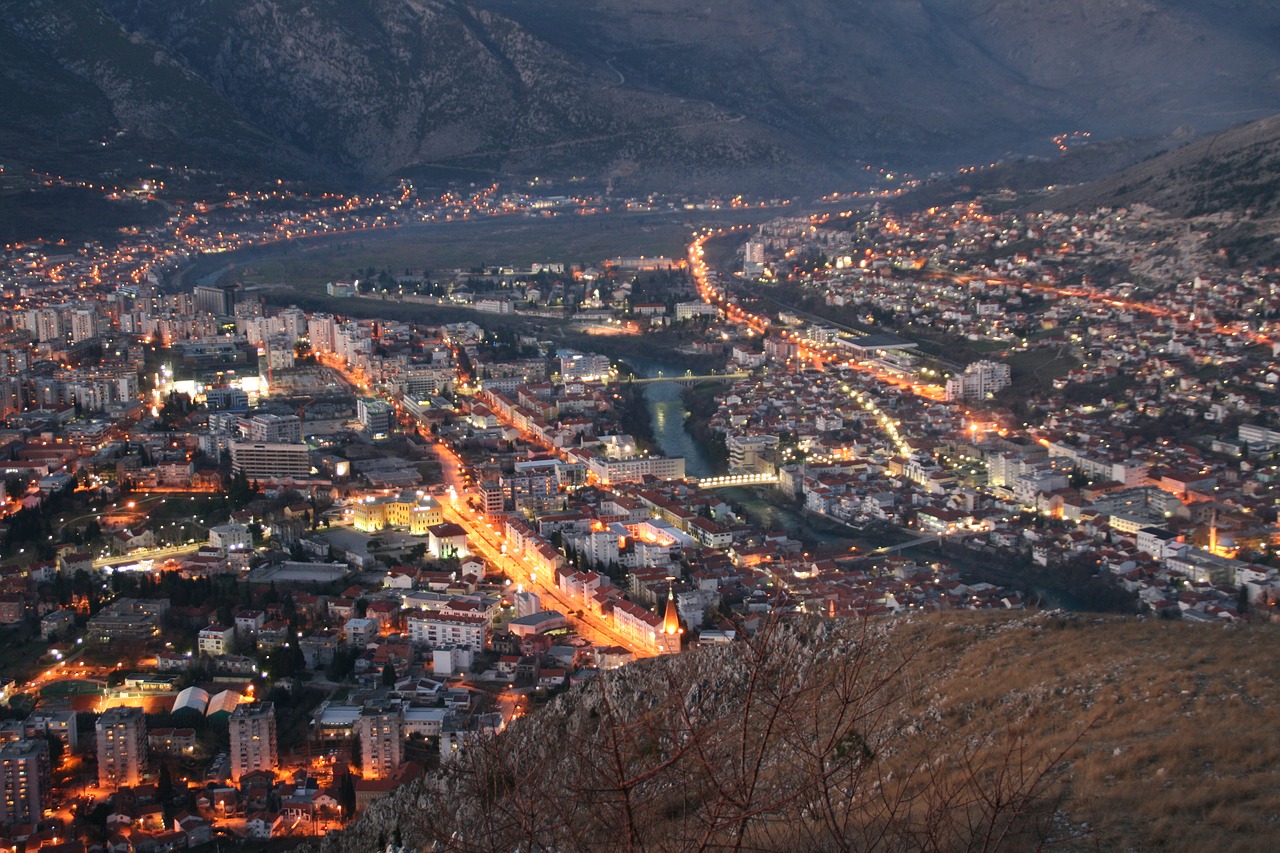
(686, 379)
(729, 481)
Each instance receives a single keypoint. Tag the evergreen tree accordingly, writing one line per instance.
(347, 794)
(164, 785)
(357, 759)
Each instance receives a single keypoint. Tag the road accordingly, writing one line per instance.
(154, 554)
(512, 703)
(484, 539)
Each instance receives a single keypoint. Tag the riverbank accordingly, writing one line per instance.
(656, 413)
(701, 402)
(656, 349)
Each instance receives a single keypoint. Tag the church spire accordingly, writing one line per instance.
(671, 620)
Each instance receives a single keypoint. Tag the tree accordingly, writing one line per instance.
(55, 751)
(344, 663)
(388, 675)
(357, 752)
(347, 792)
(164, 785)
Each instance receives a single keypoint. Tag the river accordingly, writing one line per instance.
(667, 414)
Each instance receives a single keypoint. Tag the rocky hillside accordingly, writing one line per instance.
(659, 92)
(911, 80)
(1236, 171)
(79, 92)
(970, 732)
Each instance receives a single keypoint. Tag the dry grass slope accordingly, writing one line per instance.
(979, 732)
(1178, 750)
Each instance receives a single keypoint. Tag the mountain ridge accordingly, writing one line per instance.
(663, 93)
(1236, 171)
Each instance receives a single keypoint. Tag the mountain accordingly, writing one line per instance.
(916, 79)
(81, 93)
(1227, 185)
(658, 93)
(1236, 171)
(970, 731)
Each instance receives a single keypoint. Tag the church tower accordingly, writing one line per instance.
(669, 639)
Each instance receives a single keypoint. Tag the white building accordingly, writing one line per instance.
(360, 632)
(54, 724)
(439, 630)
(84, 325)
(253, 738)
(448, 661)
(376, 416)
(979, 381)
(24, 781)
(583, 367)
(272, 429)
(526, 603)
(267, 461)
(381, 732)
(214, 640)
(230, 537)
(634, 470)
(685, 310)
(750, 452)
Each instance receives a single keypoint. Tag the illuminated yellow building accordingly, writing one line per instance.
(408, 509)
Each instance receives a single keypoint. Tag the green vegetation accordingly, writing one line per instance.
(635, 417)
(73, 214)
(702, 401)
(1034, 370)
(21, 655)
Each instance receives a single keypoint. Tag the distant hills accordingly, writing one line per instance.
(650, 93)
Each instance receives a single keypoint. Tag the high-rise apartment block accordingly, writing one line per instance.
(214, 299)
(381, 732)
(979, 380)
(24, 781)
(376, 416)
(272, 429)
(253, 738)
(122, 747)
(267, 460)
